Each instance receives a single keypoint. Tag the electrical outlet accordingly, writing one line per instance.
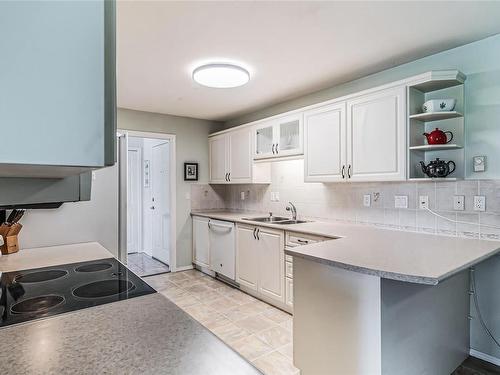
(401, 201)
(273, 198)
(242, 195)
(367, 200)
(277, 196)
(423, 202)
(459, 202)
(479, 203)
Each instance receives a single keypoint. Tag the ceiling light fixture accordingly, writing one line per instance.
(221, 76)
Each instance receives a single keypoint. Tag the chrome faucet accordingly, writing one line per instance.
(291, 207)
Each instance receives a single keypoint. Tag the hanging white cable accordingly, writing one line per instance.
(461, 222)
(476, 304)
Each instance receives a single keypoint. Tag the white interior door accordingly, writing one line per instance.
(134, 198)
(160, 205)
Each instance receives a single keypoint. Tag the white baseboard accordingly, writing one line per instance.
(184, 268)
(485, 357)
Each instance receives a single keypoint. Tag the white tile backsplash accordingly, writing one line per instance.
(344, 202)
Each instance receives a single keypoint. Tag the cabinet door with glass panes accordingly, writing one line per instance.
(280, 137)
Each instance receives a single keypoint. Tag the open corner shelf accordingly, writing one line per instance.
(435, 116)
(436, 85)
(449, 146)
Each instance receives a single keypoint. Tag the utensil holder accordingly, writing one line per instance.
(10, 238)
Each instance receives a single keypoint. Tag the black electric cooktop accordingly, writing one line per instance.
(42, 292)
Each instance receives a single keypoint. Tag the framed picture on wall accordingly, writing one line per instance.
(190, 171)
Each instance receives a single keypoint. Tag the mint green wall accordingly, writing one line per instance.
(480, 61)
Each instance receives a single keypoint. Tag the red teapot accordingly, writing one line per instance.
(438, 137)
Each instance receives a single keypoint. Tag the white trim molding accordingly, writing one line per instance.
(484, 357)
(183, 268)
(173, 187)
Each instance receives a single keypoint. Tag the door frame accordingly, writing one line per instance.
(139, 206)
(173, 187)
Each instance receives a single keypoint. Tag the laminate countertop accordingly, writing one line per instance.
(142, 335)
(405, 256)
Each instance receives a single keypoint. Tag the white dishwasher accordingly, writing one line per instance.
(222, 241)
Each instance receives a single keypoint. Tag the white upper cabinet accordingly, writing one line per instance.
(231, 159)
(265, 140)
(240, 156)
(376, 136)
(219, 160)
(279, 137)
(325, 144)
(363, 139)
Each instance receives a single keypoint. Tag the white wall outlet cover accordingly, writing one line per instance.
(459, 202)
(423, 202)
(277, 196)
(272, 196)
(479, 163)
(242, 195)
(479, 203)
(401, 201)
(188, 195)
(367, 200)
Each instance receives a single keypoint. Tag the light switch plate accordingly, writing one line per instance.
(277, 196)
(273, 199)
(242, 195)
(459, 202)
(401, 201)
(367, 200)
(423, 202)
(479, 163)
(479, 203)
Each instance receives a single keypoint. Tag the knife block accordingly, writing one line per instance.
(10, 238)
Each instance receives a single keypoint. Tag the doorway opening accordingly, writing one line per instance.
(147, 185)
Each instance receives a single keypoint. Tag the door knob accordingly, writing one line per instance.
(152, 207)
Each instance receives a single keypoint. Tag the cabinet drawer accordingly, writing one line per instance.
(298, 239)
(289, 269)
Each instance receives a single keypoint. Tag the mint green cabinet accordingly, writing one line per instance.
(57, 87)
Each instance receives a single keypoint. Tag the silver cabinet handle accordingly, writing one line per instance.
(273, 148)
(277, 151)
(302, 241)
(209, 224)
(254, 236)
(258, 231)
(229, 176)
(349, 171)
(152, 207)
(225, 177)
(343, 171)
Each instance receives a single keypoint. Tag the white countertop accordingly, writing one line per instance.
(51, 256)
(398, 255)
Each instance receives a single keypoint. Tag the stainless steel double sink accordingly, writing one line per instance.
(276, 220)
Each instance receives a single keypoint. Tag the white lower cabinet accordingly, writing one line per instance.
(247, 272)
(261, 262)
(289, 292)
(201, 253)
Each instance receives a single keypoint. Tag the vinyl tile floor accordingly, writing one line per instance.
(261, 333)
(143, 265)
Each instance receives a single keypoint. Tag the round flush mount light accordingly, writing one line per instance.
(221, 76)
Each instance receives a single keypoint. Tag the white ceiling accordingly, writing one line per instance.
(290, 48)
